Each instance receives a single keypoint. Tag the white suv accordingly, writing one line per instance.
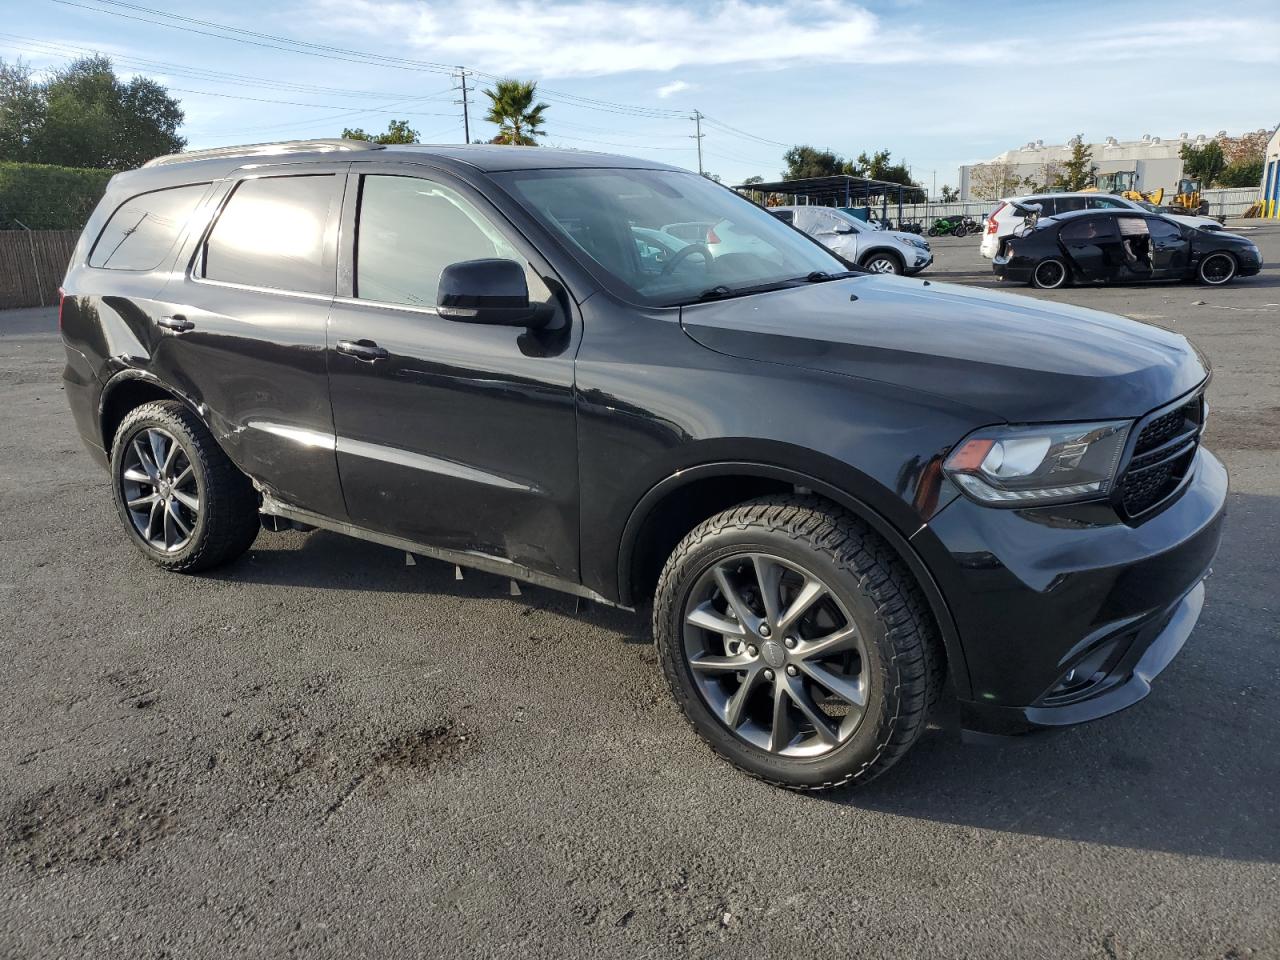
(1002, 221)
(880, 251)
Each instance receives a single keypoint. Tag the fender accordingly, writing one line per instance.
(128, 374)
(902, 546)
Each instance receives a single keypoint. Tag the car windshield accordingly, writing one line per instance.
(666, 237)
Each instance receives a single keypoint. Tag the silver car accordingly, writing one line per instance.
(880, 251)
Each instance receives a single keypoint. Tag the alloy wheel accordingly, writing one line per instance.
(882, 265)
(1217, 268)
(1050, 274)
(775, 655)
(158, 483)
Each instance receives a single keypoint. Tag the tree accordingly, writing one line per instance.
(85, 116)
(753, 179)
(1205, 162)
(805, 161)
(994, 181)
(511, 107)
(1243, 173)
(949, 195)
(1078, 171)
(398, 131)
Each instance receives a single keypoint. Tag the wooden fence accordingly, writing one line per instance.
(32, 264)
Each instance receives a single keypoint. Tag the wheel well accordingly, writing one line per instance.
(679, 512)
(882, 251)
(122, 399)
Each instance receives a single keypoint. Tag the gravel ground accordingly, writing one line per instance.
(323, 751)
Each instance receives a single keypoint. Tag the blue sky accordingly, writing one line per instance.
(939, 84)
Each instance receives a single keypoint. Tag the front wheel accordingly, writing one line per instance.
(183, 502)
(796, 643)
(882, 263)
(932, 231)
(1217, 269)
(960, 231)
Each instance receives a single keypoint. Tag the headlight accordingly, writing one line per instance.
(1046, 463)
(922, 244)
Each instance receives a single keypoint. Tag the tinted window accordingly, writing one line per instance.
(1107, 203)
(271, 234)
(1163, 230)
(143, 230)
(1067, 204)
(1047, 206)
(1089, 228)
(786, 216)
(409, 231)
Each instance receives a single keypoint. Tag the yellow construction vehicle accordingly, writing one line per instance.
(1123, 183)
(1187, 198)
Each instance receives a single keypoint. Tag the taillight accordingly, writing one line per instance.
(62, 299)
(712, 237)
(991, 220)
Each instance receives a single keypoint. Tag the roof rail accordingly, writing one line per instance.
(328, 145)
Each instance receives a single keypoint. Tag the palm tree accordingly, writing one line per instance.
(513, 110)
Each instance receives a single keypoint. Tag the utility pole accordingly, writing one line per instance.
(466, 116)
(698, 135)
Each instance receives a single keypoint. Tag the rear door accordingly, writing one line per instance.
(242, 332)
(1092, 244)
(458, 435)
(1170, 249)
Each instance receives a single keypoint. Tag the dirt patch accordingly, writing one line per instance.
(88, 824)
(417, 750)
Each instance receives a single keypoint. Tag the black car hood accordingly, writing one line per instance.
(1015, 357)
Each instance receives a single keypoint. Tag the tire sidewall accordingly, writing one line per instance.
(143, 419)
(888, 258)
(855, 755)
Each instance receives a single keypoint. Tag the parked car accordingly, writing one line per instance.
(1006, 217)
(836, 487)
(1114, 246)
(880, 251)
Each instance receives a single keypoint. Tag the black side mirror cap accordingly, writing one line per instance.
(492, 291)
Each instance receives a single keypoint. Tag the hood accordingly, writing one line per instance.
(1012, 357)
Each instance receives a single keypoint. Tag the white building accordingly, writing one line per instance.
(1271, 177)
(1154, 159)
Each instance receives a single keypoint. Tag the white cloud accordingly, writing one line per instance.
(672, 88)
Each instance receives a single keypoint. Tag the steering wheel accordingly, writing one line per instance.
(683, 253)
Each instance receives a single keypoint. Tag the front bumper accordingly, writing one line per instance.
(1066, 615)
(923, 258)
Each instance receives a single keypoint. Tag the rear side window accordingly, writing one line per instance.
(142, 231)
(1067, 204)
(1089, 229)
(271, 233)
(1048, 207)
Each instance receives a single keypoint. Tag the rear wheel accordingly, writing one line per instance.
(1217, 269)
(796, 643)
(182, 501)
(1049, 274)
(960, 230)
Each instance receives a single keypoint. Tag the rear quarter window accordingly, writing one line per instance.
(271, 233)
(143, 229)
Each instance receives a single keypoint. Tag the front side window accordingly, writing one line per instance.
(1163, 229)
(411, 229)
(729, 243)
(271, 233)
(143, 229)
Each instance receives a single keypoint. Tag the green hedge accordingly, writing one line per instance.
(49, 198)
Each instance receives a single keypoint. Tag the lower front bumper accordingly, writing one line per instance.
(1152, 649)
(921, 263)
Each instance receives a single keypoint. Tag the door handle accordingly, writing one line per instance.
(365, 350)
(177, 323)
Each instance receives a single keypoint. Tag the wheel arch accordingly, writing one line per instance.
(880, 250)
(128, 390)
(678, 503)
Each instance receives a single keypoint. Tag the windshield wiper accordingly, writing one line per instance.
(821, 276)
(714, 293)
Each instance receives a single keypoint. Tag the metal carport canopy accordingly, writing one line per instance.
(841, 190)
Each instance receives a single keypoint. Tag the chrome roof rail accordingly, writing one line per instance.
(327, 145)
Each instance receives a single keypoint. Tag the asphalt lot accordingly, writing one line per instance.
(321, 751)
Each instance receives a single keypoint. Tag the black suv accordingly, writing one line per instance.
(837, 487)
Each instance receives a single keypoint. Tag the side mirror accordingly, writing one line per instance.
(843, 230)
(487, 291)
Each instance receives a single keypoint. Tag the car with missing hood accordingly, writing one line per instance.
(880, 251)
(833, 489)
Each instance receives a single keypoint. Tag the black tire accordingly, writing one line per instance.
(892, 263)
(901, 670)
(226, 522)
(932, 231)
(960, 230)
(1217, 268)
(1054, 276)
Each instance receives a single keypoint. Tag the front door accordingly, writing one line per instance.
(456, 435)
(1093, 245)
(1170, 249)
